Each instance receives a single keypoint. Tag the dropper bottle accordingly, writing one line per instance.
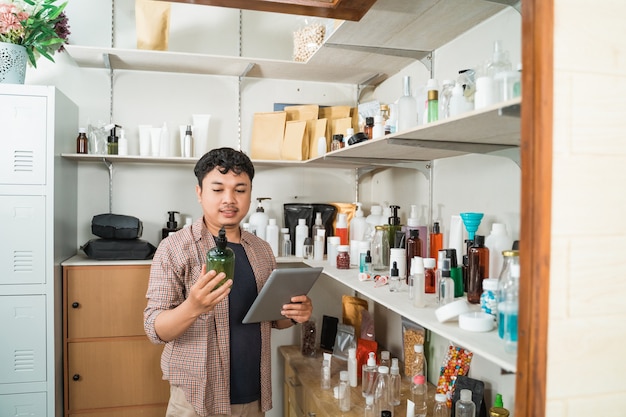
(221, 258)
(259, 219)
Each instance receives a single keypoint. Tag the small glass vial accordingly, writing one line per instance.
(368, 129)
(344, 391)
(430, 277)
(395, 282)
(81, 141)
(337, 142)
(343, 257)
(368, 411)
(286, 248)
(488, 300)
(325, 375)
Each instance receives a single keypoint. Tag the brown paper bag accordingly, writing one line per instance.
(302, 112)
(152, 19)
(340, 126)
(296, 144)
(315, 130)
(268, 130)
(334, 112)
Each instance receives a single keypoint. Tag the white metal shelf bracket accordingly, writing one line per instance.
(109, 166)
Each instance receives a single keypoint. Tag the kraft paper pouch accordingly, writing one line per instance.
(354, 114)
(303, 112)
(268, 130)
(352, 308)
(334, 112)
(340, 126)
(315, 129)
(295, 145)
(152, 19)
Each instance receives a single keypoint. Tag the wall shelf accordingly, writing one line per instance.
(483, 131)
(487, 345)
(392, 35)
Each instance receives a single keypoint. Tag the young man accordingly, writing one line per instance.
(215, 364)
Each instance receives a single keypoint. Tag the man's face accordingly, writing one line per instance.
(225, 199)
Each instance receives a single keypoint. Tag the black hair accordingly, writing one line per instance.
(224, 160)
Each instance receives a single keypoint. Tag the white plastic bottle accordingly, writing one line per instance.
(271, 235)
(259, 219)
(407, 107)
(341, 228)
(465, 407)
(353, 376)
(302, 232)
(358, 224)
(457, 101)
(497, 241)
(379, 127)
(318, 244)
(122, 144)
(375, 218)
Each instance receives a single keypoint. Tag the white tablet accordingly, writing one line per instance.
(282, 284)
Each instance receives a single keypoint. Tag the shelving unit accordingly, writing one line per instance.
(392, 35)
(488, 345)
(481, 131)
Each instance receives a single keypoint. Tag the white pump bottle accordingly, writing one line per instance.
(259, 219)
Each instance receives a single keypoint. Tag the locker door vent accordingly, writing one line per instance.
(23, 161)
(24, 361)
(23, 261)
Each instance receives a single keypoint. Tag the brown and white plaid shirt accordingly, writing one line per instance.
(199, 360)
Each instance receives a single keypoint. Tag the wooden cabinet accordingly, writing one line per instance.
(111, 368)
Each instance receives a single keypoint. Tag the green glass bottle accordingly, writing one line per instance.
(221, 258)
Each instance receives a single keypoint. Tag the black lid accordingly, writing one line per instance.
(479, 240)
(188, 130)
(445, 267)
(515, 245)
(171, 224)
(451, 254)
(338, 137)
(368, 257)
(385, 413)
(394, 269)
(394, 220)
(436, 227)
(414, 233)
(220, 240)
(369, 120)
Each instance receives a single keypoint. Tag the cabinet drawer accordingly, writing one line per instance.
(23, 334)
(115, 373)
(23, 132)
(106, 301)
(146, 411)
(31, 404)
(23, 256)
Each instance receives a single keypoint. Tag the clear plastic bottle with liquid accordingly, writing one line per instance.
(407, 107)
(381, 391)
(395, 383)
(441, 406)
(465, 407)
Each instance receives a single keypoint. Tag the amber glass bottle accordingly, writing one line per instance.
(478, 269)
(436, 242)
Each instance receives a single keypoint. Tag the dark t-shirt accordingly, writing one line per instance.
(245, 339)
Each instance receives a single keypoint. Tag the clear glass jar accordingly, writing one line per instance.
(343, 257)
(380, 249)
(308, 334)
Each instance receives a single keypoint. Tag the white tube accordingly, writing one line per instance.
(144, 140)
(155, 141)
(200, 134)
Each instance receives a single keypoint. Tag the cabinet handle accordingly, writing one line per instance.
(76, 377)
(75, 304)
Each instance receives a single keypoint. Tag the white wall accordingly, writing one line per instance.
(587, 325)
(474, 182)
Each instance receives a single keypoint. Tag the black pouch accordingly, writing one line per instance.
(116, 226)
(478, 394)
(329, 332)
(295, 211)
(118, 249)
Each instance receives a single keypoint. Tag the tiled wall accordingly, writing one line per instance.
(587, 325)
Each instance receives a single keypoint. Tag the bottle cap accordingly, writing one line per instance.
(466, 395)
(82, 130)
(383, 369)
(284, 230)
(220, 240)
(369, 120)
(343, 248)
(441, 398)
(419, 379)
(371, 359)
(451, 255)
(479, 240)
(498, 401)
(417, 265)
(301, 222)
(368, 257)
(272, 222)
(384, 355)
(432, 84)
(394, 269)
(171, 223)
(343, 376)
(490, 284)
(436, 227)
(430, 262)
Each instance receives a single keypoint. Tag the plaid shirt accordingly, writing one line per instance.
(199, 360)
